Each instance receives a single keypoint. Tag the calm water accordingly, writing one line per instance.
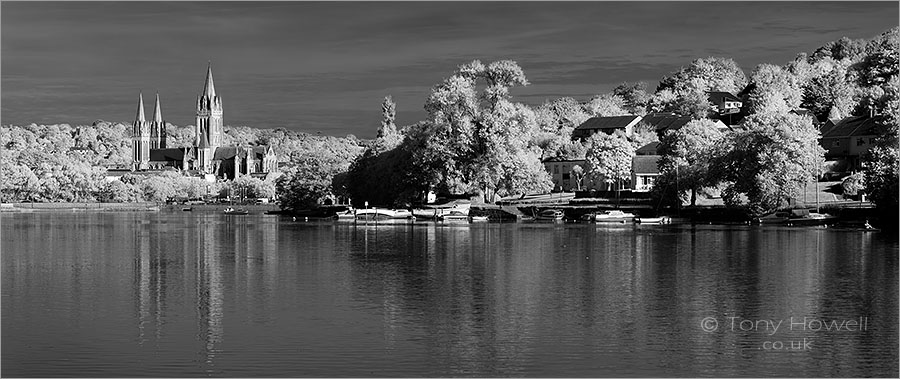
(193, 294)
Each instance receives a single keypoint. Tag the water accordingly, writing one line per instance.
(194, 294)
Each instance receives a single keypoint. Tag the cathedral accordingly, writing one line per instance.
(206, 156)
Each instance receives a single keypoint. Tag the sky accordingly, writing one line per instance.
(325, 67)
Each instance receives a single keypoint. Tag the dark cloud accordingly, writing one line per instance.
(325, 66)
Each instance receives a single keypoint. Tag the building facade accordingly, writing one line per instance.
(206, 156)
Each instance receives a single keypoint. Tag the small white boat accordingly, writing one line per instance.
(374, 214)
(653, 220)
(613, 216)
(550, 215)
(478, 218)
(453, 217)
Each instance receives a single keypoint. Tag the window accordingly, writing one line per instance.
(556, 169)
(860, 141)
(566, 176)
(836, 143)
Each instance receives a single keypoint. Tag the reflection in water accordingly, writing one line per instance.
(174, 294)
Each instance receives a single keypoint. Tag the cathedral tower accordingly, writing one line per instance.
(140, 138)
(209, 129)
(157, 128)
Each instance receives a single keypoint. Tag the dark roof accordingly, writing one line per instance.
(827, 126)
(854, 126)
(614, 122)
(645, 164)
(720, 97)
(665, 121)
(560, 160)
(228, 152)
(225, 152)
(175, 154)
(648, 149)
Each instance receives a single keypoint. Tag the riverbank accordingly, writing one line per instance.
(128, 207)
(79, 207)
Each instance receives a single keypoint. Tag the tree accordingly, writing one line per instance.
(774, 90)
(473, 138)
(609, 158)
(307, 183)
(388, 136)
(770, 161)
(578, 175)
(606, 106)
(881, 164)
(706, 74)
(635, 97)
(689, 153)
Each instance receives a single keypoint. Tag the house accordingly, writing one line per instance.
(644, 171)
(606, 125)
(724, 102)
(849, 138)
(648, 149)
(560, 171)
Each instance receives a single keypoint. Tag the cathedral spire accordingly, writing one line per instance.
(140, 111)
(209, 89)
(157, 113)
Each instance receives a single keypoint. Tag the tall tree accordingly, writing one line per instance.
(770, 161)
(689, 153)
(609, 159)
(473, 135)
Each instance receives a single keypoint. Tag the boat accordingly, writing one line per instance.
(478, 218)
(433, 212)
(550, 215)
(453, 216)
(653, 220)
(374, 214)
(187, 209)
(803, 217)
(239, 211)
(773, 218)
(613, 216)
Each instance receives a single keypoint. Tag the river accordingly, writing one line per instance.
(94, 294)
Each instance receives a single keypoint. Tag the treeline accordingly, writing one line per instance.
(62, 163)
(477, 140)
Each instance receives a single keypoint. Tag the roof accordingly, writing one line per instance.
(721, 97)
(140, 111)
(648, 149)
(228, 152)
(174, 154)
(827, 126)
(559, 160)
(613, 122)
(209, 88)
(645, 164)
(665, 121)
(854, 126)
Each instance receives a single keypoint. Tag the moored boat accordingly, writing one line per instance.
(453, 217)
(550, 215)
(804, 217)
(374, 214)
(187, 209)
(613, 216)
(478, 218)
(653, 220)
(239, 211)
